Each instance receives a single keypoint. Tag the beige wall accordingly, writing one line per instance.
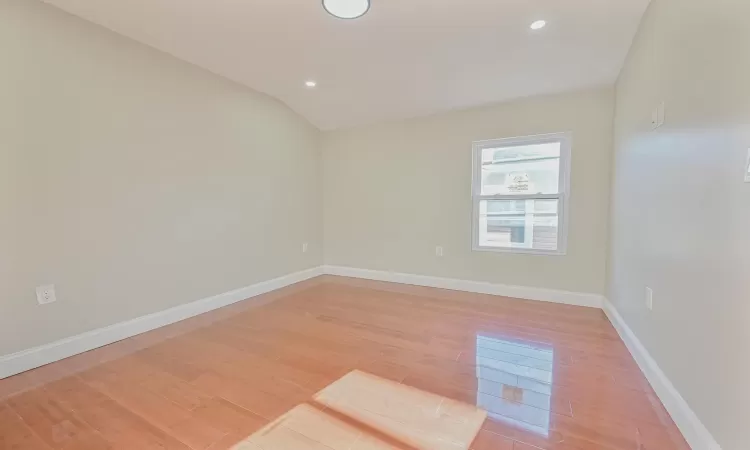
(680, 209)
(136, 182)
(394, 191)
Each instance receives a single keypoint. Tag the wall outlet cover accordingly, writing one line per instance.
(658, 115)
(46, 294)
(661, 113)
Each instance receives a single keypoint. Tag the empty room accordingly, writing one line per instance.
(374, 224)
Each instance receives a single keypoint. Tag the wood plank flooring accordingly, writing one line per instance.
(260, 375)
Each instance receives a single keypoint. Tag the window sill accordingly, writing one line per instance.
(522, 251)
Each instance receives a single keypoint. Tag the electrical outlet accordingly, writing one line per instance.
(661, 113)
(304, 247)
(649, 298)
(46, 294)
(438, 251)
(658, 115)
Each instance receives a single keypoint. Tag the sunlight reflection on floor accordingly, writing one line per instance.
(361, 411)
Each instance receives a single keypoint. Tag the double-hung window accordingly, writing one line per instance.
(520, 190)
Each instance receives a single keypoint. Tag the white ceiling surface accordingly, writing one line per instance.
(405, 58)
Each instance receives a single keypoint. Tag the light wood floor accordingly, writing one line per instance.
(336, 363)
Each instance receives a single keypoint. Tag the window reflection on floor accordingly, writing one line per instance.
(514, 383)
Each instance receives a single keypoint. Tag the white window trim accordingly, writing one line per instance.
(563, 197)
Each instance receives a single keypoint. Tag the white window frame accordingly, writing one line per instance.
(563, 195)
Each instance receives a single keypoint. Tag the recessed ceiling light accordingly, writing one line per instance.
(538, 25)
(310, 83)
(346, 9)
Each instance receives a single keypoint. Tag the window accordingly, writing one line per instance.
(520, 194)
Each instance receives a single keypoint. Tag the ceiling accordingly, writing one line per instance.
(405, 58)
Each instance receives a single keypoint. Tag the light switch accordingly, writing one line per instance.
(747, 167)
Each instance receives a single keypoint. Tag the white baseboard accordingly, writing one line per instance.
(38, 356)
(505, 290)
(45, 354)
(687, 421)
(696, 434)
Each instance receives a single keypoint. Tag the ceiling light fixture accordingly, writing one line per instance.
(538, 25)
(346, 9)
(310, 83)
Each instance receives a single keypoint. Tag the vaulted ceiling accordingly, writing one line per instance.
(405, 58)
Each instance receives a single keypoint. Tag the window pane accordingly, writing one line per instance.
(523, 169)
(529, 224)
